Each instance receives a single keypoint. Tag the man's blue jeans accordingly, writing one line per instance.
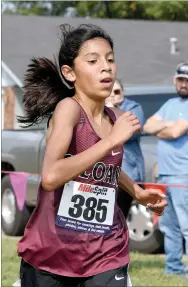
(174, 223)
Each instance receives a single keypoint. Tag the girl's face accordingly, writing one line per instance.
(95, 69)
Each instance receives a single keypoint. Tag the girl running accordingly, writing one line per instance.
(77, 235)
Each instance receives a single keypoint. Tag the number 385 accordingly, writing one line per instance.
(91, 208)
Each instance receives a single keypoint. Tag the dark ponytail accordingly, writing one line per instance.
(44, 86)
(43, 89)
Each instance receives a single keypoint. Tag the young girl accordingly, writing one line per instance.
(77, 235)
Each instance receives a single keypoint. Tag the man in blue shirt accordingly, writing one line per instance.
(170, 124)
(133, 161)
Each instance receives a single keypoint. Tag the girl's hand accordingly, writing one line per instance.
(124, 128)
(154, 199)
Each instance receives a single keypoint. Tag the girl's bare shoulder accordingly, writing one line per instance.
(67, 109)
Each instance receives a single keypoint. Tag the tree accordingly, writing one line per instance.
(167, 10)
(145, 10)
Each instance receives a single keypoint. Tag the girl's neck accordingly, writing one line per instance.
(93, 108)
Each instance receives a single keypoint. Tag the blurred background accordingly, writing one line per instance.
(150, 39)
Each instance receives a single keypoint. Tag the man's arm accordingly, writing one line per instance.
(155, 124)
(176, 130)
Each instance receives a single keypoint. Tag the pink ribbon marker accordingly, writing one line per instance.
(19, 184)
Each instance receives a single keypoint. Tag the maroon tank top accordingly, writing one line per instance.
(78, 230)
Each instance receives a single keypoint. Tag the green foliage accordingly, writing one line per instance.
(167, 10)
(128, 9)
(86, 8)
(148, 10)
(58, 7)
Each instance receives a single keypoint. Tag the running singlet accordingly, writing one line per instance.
(78, 230)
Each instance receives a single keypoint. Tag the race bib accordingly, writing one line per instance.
(86, 208)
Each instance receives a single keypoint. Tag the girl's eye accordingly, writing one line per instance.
(92, 61)
(111, 60)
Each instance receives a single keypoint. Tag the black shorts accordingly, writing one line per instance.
(31, 277)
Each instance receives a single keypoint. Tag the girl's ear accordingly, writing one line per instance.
(68, 73)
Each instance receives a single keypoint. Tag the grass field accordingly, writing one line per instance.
(145, 270)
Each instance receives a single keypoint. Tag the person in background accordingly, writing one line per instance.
(170, 125)
(133, 161)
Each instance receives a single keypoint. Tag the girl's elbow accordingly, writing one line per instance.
(48, 181)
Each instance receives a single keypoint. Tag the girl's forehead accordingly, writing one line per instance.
(95, 45)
